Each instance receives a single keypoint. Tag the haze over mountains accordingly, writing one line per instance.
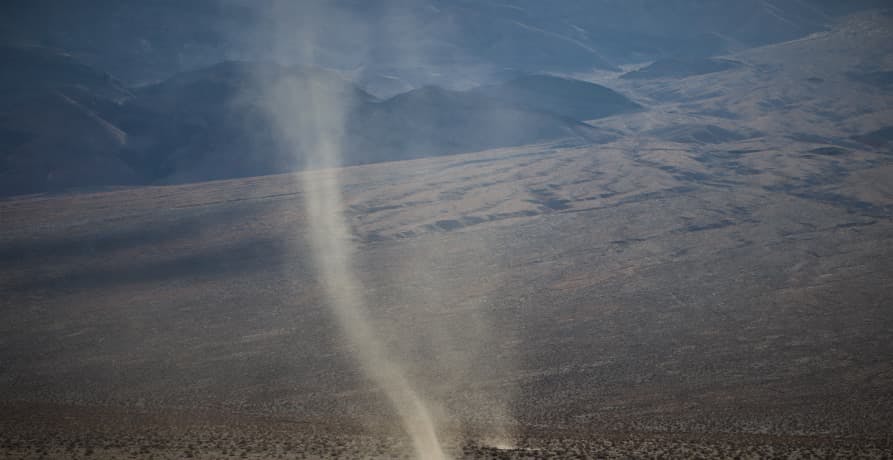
(210, 123)
(148, 41)
(201, 114)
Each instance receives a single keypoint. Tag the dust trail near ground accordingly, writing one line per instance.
(331, 243)
(310, 113)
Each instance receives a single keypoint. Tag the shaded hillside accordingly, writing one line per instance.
(147, 41)
(214, 123)
(137, 40)
(877, 138)
(31, 68)
(434, 121)
(700, 134)
(882, 79)
(562, 96)
(680, 68)
(629, 31)
(55, 131)
(66, 125)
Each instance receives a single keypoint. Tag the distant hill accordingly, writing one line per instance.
(72, 126)
(562, 96)
(434, 121)
(881, 79)
(30, 66)
(700, 134)
(877, 138)
(208, 120)
(55, 131)
(146, 41)
(213, 123)
(680, 68)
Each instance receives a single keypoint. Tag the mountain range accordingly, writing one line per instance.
(148, 41)
(66, 125)
(131, 101)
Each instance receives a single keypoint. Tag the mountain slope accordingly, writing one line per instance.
(680, 68)
(434, 121)
(215, 122)
(564, 35)
(575, 99)
(55, 128)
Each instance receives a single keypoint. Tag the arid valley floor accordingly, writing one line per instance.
(716, 282)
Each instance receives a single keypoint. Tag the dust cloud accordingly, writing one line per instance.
(311, 115)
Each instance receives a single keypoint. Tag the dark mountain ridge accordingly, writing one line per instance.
(564, 96)
(148, 41)
(680, 68)
(215, 122)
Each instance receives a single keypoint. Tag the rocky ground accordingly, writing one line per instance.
(48, 431)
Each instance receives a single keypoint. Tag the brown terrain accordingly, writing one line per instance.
(715, 282)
